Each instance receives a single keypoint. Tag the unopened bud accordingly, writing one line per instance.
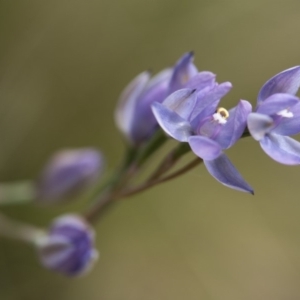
(68, 247)
(68, 173)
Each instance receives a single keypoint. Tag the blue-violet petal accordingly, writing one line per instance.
(182, 102)
(287, 81)
(276, 103)
(283, 149)
(259, 125)
(175, 126)
(184, 70)
(289, 125)
(210, 97)
(224, 171)
(201, 80)
(205, 147)
(125, 109)
(235, 125)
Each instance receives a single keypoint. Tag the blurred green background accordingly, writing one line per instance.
(62, 66)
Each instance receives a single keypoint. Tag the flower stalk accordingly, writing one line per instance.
(18, 230)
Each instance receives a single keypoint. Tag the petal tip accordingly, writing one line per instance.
(246, 105)
(228, 84)
(223, 170)
(191, 54)
(287, 81)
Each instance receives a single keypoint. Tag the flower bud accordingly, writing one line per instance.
(133, 113)
(68, 247)
(68, 173)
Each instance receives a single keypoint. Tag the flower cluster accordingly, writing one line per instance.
(185, 104)
(192, 115)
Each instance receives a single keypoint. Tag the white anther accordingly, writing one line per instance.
(285, 113)
(219, 118)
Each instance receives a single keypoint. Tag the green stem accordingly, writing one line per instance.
(114, 189)
(20, 192)
(169, 161)
(103, 196)
(135, 157)
(107, 199)
(117, 175)
(154, 144)
(153, 182)
(102, 203)
(17, 230)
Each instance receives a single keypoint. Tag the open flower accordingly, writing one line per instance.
(192, 116)
(277, 116)
(68, 246)
(133, 114)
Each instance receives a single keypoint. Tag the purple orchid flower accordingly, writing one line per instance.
(277, 116)
(192, 116)
(133, 114)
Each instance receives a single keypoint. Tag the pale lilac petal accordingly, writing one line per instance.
(125, 109)
(201, 80)
(208, 100)
(276, 103)
(287, 81)
(235, 125)
(283, 149)
(259, 125)
(289, 126)
(144, 123)
(204, 147)
(162, 76)
(67, 174)
(184, 70)
(182, 102)
(224, 171)
(172, 123)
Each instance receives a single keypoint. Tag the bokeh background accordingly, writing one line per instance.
(62, 66)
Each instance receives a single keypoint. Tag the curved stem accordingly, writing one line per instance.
(169, 161)
(134, 158)
(150, 148)
(114, 188)
(108, 198)
(153, 182)
(115, 178)
(102, 203)
(106, 195)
